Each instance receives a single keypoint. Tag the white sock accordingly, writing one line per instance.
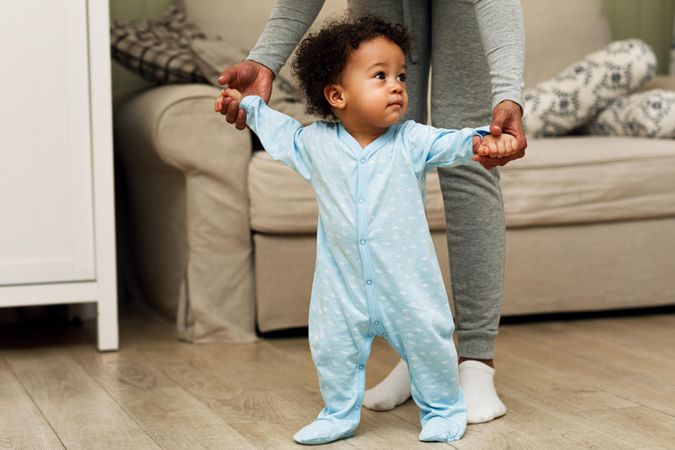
(477, 381)
(390, 392)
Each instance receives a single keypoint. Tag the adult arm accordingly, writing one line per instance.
(503, 34)
(502, 31)
(288, 23)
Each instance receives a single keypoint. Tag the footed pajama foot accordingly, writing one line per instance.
(323, 431)
(438, 429)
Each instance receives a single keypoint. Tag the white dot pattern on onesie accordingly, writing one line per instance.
(376, 268)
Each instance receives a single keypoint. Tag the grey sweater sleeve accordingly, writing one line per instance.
(502, 31)
(288, 23)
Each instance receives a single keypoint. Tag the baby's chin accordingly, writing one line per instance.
(393, 119)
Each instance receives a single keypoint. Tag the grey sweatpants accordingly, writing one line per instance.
(447, 38)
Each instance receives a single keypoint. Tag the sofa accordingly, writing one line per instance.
(222, 237)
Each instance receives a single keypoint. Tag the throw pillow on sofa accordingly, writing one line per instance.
(647, 114)
(158, 50)
(577, 94)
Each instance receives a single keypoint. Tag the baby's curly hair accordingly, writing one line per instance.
(322, 55)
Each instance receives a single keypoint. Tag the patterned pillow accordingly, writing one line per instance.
(647, 114)
(158, 50)
(571, 99)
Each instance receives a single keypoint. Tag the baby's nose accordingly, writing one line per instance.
(397, 86)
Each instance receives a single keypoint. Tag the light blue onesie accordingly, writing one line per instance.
(376, 269)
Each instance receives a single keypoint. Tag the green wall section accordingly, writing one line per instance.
(649, 20)
(133, 9)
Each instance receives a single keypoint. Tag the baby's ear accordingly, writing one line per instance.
(334, 96)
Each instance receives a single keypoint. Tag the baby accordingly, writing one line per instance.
(376, 269)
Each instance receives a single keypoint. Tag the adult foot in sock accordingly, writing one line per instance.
(477, 381)
(438, 429)
(322, 431)
(390, 392)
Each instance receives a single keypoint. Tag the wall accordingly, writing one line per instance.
(649, 20)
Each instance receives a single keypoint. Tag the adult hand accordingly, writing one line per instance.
(249, 78)
(507, 117)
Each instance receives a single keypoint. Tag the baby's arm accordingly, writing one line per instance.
(498, 147)
(280, 135)
(435, 147)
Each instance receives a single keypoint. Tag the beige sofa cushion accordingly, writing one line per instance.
(585, 179)
(561, 181)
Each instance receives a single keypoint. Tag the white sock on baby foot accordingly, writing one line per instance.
(477, 381)
(390, 392)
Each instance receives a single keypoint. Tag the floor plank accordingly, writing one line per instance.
(171, 416)
(644, 377)
(79, 410)
(600, 383)
(246, 404)
(22, 425)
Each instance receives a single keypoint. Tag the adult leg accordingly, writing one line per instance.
(473, 202)
(395, 388)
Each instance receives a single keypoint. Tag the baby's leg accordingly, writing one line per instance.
(340, 347)
(425, 343)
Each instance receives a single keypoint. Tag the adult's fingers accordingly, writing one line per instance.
(240, 123)
(491, 163)
(232, 111)
(506, 159)
(485, 161)
(225, 103)
(521, 140)
(228, 75)
(499, 118)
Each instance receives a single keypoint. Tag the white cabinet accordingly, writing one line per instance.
(57, 240)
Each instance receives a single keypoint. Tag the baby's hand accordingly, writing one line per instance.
(498, 147)
(226, 97)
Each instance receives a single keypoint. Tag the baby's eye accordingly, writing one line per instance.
(380, 75)
(402, 78)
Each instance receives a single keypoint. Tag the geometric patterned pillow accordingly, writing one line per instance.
(577, 94)
(158, 50)
(647, 114)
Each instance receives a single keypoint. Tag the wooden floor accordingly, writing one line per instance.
(600, 383)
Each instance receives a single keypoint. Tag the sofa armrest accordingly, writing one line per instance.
(174, 125)
(660, 82)
(196, 164)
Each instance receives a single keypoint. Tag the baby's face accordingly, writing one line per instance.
(374, 83)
